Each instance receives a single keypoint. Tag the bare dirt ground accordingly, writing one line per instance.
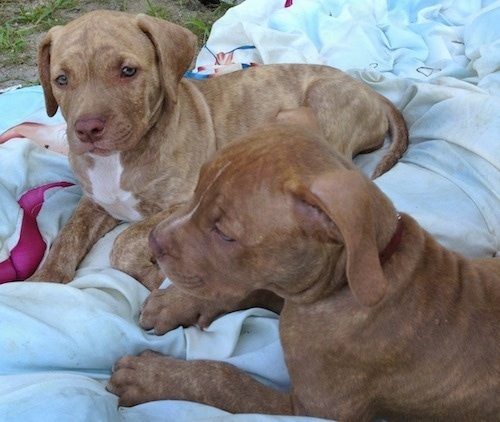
(24, 22)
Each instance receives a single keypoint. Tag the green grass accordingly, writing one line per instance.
(161, 12)
(12, 40)
(43, 16)
(201, 27)
(29, 20)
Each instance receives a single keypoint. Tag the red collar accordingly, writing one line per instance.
(393, 244)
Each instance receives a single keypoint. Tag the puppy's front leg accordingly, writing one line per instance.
(152, 376)
(86, 226)
(167, 309)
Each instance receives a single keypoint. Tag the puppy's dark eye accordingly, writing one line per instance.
(222, 235)
(62, 80)
(128, 71)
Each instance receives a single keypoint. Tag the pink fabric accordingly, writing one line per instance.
(27, 254)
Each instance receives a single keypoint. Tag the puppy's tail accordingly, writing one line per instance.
(399, 136)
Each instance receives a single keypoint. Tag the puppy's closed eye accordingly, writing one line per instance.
(222, 235)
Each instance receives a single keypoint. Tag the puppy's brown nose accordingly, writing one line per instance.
(89, 130)
(163, 245)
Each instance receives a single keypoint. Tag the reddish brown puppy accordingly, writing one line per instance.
(396, 326)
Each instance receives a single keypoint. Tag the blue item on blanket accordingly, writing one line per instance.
(439, 62)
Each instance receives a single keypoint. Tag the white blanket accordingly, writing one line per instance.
(438, 62)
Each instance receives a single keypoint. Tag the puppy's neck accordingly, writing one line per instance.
(393, 244)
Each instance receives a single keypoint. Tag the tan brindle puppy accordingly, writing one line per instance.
(138, 132)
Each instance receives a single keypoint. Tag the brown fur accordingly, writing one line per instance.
(415, 338)
(165, 126)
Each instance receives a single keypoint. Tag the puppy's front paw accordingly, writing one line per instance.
(147, 377)
(167, 309)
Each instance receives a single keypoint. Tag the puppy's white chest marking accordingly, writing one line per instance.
(105, 178)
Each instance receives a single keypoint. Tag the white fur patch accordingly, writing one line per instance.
(105, 178)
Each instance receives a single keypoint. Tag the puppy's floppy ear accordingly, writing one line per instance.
(340, 201)
(44, 71)
(175, 47)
